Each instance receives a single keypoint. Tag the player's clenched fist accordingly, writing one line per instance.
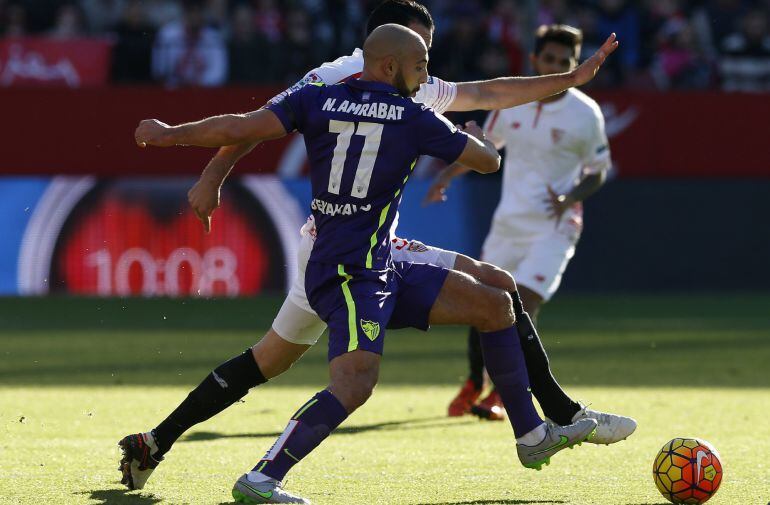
(154, 133)
(204, 200)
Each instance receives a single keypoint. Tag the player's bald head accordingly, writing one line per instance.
(392, 40)
(396, 55)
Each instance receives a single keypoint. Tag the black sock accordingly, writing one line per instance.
(555, 403)
(518, 306)
(475, 359)
(227, 384)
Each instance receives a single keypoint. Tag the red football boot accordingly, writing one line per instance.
(490, 408)
(464, 400)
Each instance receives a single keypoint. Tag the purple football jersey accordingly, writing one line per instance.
(363, 139)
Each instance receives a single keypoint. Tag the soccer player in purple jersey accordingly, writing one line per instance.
(363, 138)
(297, 327)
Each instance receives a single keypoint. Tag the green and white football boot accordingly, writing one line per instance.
(270, 491)
(556, 439)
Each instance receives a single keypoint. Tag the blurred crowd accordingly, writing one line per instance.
(665, 44)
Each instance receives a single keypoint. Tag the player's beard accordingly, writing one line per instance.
(400, 84)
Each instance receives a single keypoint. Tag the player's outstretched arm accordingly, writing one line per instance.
(216, 131)
(480, 154)
(505, 92)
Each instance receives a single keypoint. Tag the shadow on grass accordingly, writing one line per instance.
(119, 496)
(407, 424)
(492, 502)
(473, 502)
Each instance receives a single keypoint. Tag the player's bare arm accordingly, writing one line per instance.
(204, 195)
(505, 92)
(215, 131)
(480, 154)
(588, 185)
(437, 191)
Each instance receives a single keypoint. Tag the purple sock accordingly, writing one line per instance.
(505, 364)
(312, 423)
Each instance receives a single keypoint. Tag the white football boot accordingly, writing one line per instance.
(557, 438)
(269, 491)
(611, 427)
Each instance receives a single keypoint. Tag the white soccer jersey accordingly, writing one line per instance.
(546, 144)
(435, 93)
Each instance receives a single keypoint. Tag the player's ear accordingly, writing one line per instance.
(390, 66)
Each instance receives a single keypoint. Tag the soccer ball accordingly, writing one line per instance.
(687, 470)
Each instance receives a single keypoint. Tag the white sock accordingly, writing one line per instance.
(534, 437)
(149, 439)
(257, 477)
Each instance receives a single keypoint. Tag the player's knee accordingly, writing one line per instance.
(353, 381)
(353, 390)
(362, 391)
(497, 278)
(498, 313)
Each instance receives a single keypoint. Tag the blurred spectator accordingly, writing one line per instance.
(41, 15)
(13, 20)
(218, 13)
(494, 62)
(455, 55)
(69, 23)
(251, 56)
(654, 17)
(621, 17)
(680, 63)
(745, 65)
(663, 43)
(162, 12)
(298, 52)
(504, 28)
(269, 20)
(102, 15)
(554, 12)
(716, 19)
(133, 50)
(337, 24)
(189, 53)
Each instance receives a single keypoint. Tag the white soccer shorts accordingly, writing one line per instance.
(298, 323)
(536, 260)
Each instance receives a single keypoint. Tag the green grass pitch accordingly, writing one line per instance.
(78, 374)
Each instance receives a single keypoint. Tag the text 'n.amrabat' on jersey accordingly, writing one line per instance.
(363, 139)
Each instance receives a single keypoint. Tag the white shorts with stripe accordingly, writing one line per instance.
(536, 256)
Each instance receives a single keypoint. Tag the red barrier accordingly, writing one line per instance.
(91, 131)
(688, 134)
(59, 131)
(71, 63)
